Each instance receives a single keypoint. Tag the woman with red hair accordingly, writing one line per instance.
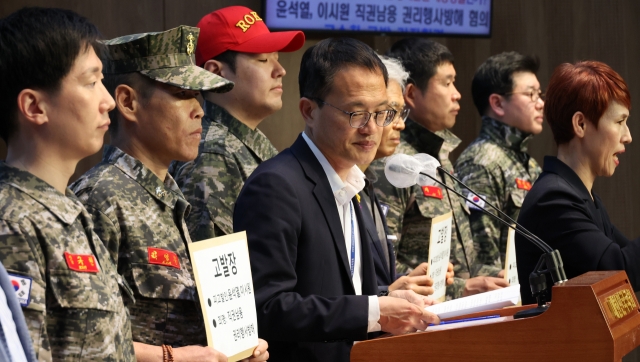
(587, 108)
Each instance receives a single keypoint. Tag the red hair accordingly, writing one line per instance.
(587, 87)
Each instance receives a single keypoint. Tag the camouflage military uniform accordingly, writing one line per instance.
(47, 236)
(411, 211)
(228, 154)
(490, 166)
(140, 219)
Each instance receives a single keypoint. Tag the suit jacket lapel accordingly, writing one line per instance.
(323, 194)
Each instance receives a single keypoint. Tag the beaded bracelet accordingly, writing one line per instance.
(167, 353)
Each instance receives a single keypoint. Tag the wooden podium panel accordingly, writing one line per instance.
(593, 317)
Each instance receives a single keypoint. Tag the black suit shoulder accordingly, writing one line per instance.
(560, 211)
(303, 291)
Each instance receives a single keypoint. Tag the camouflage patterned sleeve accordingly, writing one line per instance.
(211, 184)
(485, 229)
(21, 255)
(455, 290)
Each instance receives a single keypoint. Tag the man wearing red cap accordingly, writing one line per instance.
(236, 44)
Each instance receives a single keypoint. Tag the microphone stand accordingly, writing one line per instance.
(550, 259)
(538, 242)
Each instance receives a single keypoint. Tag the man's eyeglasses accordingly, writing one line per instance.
(402, 115)
(534, 94)
(361, 118)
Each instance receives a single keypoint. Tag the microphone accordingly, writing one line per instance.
(403, 172)
(556, 268)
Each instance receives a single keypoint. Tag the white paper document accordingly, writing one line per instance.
(439, 252)
(510, 263)
(223, 276)
(495, 299)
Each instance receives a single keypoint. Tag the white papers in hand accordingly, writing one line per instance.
(495, 299)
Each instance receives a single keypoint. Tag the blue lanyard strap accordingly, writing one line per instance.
(353, 240)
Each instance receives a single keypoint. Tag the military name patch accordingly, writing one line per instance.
(163, 257)
(432, 191)
(81, 263)
(385, 209)
(523, 184)
(22, 286)
(475, 201)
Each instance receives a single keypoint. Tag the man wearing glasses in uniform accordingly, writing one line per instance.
(507, 95)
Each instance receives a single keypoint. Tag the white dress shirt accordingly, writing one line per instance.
(344, 191)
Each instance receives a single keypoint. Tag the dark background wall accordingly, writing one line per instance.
(556, 30)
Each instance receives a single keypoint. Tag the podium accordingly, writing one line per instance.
(593, 317)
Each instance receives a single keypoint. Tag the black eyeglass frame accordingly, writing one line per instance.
(405, 110)
(391, 115)
(541, 95)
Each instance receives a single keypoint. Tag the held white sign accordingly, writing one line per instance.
(439, 252)
(510, 264)
(223, 276)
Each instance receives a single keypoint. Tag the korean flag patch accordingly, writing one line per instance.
(22, 287)
(475, 202)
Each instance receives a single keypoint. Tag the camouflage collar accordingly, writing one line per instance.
(505, 135)
(370, 175)
(255, 140)
(65, 207)
(166, 192)
(438, 144)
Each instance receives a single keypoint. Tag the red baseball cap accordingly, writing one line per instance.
(241, 29)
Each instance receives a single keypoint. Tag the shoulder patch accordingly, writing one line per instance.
(432, 191)
(22, 287)
(475, 202)
(163, 257)
(523, 184)
(81, 262)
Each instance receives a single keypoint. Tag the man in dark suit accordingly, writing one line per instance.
(309, 245)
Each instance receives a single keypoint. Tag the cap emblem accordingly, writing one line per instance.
(249, 20)
(190, 45)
